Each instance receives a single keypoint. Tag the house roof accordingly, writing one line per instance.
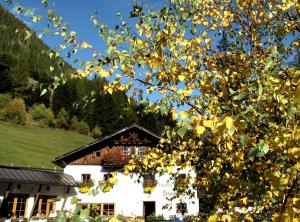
(105, 141)
(35, 176)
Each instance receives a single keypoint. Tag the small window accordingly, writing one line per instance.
(126, 150)
(149, 177)
(181, 179)
(149, 180)
(108, 209)
(139, 150)
(45, 205)
(181, 208)
(107, 176)
(85, 178)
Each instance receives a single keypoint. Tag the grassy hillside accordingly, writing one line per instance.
(34, 146)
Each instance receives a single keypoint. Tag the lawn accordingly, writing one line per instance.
(36, 147)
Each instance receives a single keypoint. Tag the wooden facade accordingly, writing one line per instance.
(109, 151)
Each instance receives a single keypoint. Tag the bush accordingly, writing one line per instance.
(62, 119)
(79, 127)
(97, 132)
(38, 111)
(74, 123)
(16, 111)
(82, 128)
(4, 101)
(43, 115)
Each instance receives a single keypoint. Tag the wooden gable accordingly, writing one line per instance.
(109, 150)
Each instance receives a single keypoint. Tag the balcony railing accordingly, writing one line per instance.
(115, 159)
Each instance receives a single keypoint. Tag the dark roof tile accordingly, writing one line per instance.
(35, 176)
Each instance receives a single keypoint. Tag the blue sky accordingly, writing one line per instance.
(77, 14)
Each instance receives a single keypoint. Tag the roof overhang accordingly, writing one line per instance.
(25, 175)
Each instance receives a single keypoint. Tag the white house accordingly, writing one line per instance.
(29, 193)
(96, 162)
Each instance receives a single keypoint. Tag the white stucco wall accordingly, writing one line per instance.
(32, 189)
(128, 195)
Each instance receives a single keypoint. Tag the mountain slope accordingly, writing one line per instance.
(34, 146)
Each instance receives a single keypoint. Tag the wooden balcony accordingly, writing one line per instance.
(115, 160)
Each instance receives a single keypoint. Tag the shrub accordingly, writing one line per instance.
(74, 123)
(62, 119)
(16, 111)
(82, 128)
(79, 127)
(4, 101)
(38, 111)
(97, 132)
(43, 115)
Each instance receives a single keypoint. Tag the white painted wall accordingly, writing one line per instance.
(32, 189)
(128, 195)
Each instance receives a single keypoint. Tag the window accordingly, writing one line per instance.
(181, 208)
(126, 150)
(149, 180)
(96, 154)
(85, 178)
(107, 176)
(108, 209)
(45, 205)
(103, 209)
(17, 204)
(139, 150)
(149, 177)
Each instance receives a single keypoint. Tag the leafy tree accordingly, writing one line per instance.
(237, 120)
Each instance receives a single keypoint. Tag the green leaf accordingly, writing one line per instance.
(45, 3)
(182, 131)
(84, 214)
(244, 139)
(74, 200)
(239, 96)
(61, 216)
(28, 35)
(269, 63)
(193, 30)
(27, 11)
(43, 92)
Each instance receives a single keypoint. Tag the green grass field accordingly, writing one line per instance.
(34, 146)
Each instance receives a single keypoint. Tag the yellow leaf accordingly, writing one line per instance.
(213, 218)
(208, 123)
(139, 42)
(183, 114)
(226, 218)
(145, 162)
(200, 130)
(103, 73)
(198, 40)
(297, 92)
(248, 218)
(85, 45)
(174, 115)
(181, 77)
(229, 145)
(228, 122)
(295, 152)
(131, 167)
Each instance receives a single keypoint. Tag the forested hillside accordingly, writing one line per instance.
(29, 65)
